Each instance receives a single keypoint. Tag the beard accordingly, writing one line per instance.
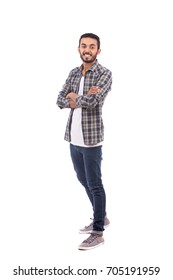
(89, 59)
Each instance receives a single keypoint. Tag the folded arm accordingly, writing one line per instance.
(73, 96)
(96, 94)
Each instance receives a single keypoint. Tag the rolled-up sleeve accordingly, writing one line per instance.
(62, 101)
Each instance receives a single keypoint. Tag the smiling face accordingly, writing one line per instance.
(88, 50)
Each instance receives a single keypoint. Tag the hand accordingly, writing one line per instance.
(93, 90)
(72, 96)
(72, 104)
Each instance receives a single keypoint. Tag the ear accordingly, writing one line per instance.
(78, 49)
(99, 51)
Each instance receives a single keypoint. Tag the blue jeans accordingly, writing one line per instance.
(87, 164)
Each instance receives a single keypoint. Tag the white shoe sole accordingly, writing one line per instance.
(92, 247)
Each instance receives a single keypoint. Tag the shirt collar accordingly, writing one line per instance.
(92, 68)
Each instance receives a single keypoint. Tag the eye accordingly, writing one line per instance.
(92, 47)
(83, 46)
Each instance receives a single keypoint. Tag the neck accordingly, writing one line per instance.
(87, 66)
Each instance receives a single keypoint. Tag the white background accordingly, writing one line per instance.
(42, 204)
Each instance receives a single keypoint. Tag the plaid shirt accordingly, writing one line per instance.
(92, 123)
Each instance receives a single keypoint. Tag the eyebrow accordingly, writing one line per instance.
(83, 44)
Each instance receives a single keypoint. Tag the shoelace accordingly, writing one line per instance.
(89, 224)
(86, 227)
(91, 238)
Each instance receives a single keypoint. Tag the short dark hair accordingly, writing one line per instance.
(90, 35)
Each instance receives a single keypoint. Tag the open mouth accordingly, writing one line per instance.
(87, 55)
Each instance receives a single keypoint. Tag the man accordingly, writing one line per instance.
(84, 93)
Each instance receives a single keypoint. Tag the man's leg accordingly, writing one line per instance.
(92, 163)
(78, 163)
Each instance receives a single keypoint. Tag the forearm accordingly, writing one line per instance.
(86, 101)
(63, 102)
(97, 93)
(93, 99)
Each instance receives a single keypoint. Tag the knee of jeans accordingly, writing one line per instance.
(96, 189)
(95, 183)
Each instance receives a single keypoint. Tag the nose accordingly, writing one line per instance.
(87, 49)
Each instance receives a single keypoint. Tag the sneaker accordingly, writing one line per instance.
(89, 228)
(93, 241)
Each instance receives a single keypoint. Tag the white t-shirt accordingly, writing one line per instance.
(76, 125)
